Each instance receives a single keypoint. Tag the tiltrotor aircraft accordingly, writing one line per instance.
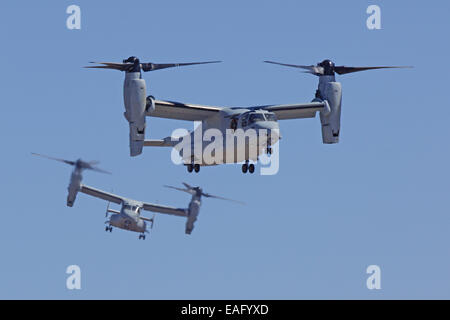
(129, 216)
(263, 119)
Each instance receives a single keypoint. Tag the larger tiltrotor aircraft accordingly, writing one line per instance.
(263, 119)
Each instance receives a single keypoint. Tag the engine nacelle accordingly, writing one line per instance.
(137, 137)
(331, 92)
(193, 211)
(74, 187)
(134, 95)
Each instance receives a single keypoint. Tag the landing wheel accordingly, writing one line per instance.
(196, 167)
(251, 168)
(142, 236)
(108, 228)
(244, 168)
(190, 167)
(269, 150)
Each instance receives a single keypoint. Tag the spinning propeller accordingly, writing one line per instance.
(133, 64)
(78, 164)
(199, 192)
(328, 68)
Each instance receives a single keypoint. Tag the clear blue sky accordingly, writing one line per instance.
(380, 196)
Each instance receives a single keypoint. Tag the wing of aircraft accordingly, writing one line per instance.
(194, 112)
(164, 209)
(182, 111)
(118, 199)
(101, 194)
(294, 111)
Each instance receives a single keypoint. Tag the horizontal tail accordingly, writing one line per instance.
(166, 142)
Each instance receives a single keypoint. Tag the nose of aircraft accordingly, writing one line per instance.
(267, 125)
(272, 128)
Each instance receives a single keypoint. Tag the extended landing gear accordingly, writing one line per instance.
(142, 236)
(269, 146)
(108, 228)
(193, 167)
(248, 167)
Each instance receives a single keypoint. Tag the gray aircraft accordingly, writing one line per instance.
(263, 119)
(129, 216)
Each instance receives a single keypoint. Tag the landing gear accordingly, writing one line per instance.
(269, 146)
(142, 236)
(193, 167)
(108, 228)
(248, 167)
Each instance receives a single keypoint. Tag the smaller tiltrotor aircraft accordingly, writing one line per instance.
(129, 216)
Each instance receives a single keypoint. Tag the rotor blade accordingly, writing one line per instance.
(207, 195)
(179, 189)
(104, 67)
(187, 186)
(345, 70)
(56, 159)
(111, 65)
(311, 69)
(98, 170)
(90, 166)
(157, 66)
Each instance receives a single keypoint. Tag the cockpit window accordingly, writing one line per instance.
(271, 117)
(132, 208)
(244, 121)
(255, 117)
